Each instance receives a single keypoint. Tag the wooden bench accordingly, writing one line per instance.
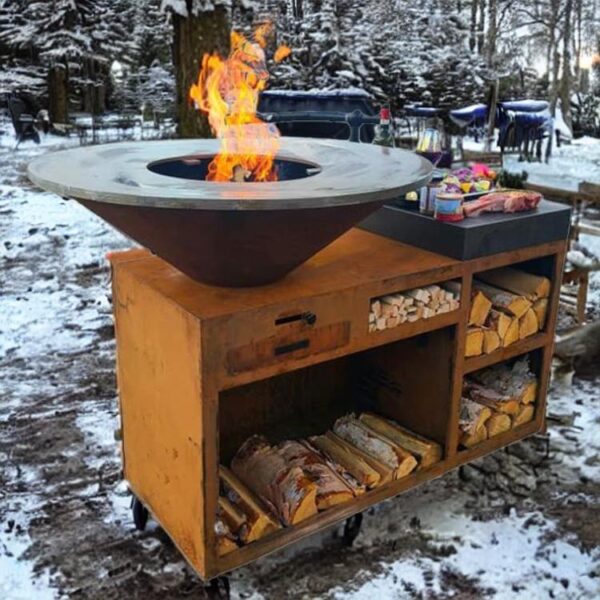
(587, 194)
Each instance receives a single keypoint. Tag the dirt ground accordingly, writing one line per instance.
(65, 524)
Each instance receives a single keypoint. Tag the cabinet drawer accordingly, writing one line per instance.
(297, 342)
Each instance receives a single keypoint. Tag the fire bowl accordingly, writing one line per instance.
(231, 234)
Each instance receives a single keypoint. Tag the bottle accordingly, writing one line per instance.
(383, 131)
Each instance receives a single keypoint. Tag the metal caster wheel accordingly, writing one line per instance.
(140, 514)
(351, 529)
(219, 589)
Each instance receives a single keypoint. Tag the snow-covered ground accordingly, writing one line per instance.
(568, 166)
(518, 524)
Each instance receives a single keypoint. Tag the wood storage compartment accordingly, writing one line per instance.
(398, 394)
(509, 310)
(499, 398)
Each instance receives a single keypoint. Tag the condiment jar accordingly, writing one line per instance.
(449, 206)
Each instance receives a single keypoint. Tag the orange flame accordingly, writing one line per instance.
(228, 90)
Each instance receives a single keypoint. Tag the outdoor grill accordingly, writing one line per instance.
(218, 386)
(231, 233)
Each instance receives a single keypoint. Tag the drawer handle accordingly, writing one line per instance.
(308, 317)
(287, 348)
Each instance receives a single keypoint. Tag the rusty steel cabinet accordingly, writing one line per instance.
(200, 368)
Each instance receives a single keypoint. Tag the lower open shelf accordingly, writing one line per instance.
(323, 520)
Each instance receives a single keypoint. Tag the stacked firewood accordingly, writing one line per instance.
(270, 485)
(495, 400)
(507, 305)
(409, 306)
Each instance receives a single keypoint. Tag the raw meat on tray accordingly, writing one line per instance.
(508, 202)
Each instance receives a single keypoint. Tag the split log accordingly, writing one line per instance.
(491, 398)
(524, 415)
(234, 518)
(443, 308)
(491, 341)
(386, 474)
(512, 333)
(225, 539)
(331, 489)
(435, 292)
(453, 287)
(469, 440)
(394, 300)
(407, 300)
(376, 308)
(389, 310)
(428, 452)
(259, 519)
(540, 308)
(529, 393)
(428, 312)
(480, 308)
(353, 484)
(473, 416)
(516, 382)
(419, 295)
(512, 303)
(528, 324)
(289, 490)
(474, 341)
(360, 435)
(497, 423)
(392, 322)
(498, 321)
(360, 469)
(518, 282)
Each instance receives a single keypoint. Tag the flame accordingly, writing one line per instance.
(228, 90)
(281, 53)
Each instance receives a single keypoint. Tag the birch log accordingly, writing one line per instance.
(263, 469)
(518, 282)
(331, 489)
(356, 466)
(260, 521)
(427, 451)
(357, 433)
(514, 304)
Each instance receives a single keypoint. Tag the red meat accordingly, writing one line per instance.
(507, 202)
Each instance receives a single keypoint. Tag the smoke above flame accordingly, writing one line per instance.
(228, 91)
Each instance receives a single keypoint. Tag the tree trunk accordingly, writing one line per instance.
(58, 93)
(481, 27)
(577, 42)
(194, 36)
(492, 31)
(99, 98)
(473, 26)
(492, 104)
(565, 86)
(298, 9)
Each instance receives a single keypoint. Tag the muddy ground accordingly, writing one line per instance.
(65, 524)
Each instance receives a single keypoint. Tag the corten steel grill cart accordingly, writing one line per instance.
(201, 368)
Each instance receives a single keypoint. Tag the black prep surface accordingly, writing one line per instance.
(487, 234)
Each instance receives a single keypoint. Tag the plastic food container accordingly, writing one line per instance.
(449, 206)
